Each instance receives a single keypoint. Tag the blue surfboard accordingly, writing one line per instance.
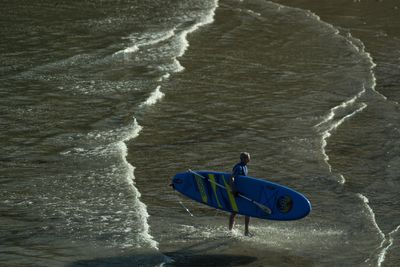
(258, 198)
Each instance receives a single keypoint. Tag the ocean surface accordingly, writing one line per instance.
(103, 101)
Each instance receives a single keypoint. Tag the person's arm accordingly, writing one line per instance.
(232, 184)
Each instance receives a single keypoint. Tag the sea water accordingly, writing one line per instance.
(102, 102)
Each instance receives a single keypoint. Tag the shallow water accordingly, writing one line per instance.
(103, 102)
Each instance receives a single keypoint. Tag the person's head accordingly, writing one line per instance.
(245, 157)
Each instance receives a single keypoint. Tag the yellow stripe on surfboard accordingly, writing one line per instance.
(214, 187)
(202, 190)
(230, 195)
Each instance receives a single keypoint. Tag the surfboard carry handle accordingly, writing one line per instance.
(261, 206)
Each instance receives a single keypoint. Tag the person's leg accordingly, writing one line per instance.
(246, 225)
(231, 220)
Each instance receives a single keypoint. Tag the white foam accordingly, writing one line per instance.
(112, 142)
(147, 39)
(331, 121)
(328, 124)
(154, 97)
(342, 180)
(359, 46)
(173, 67)
(253, 13)
(132, 131)
(381, 255)
(356, 44)
(183, 43)
(333, 125)
(144, 238)
(343, 105)
(372, 214)
(164, 77)
(131, 49)
(100, 140)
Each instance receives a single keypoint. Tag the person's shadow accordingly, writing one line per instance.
(172, 261)
(198, 255)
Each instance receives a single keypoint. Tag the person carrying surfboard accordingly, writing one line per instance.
(239, 169)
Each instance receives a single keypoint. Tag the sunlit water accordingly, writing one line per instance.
(102, 102)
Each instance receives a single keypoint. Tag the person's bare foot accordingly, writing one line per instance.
(248, 234)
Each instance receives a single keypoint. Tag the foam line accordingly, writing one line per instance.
(356, 43)
(388, 240)
(144, 236)
(184, 44)
(134, 130)
(384, 251)
(154, 97)
(372, 215)
(148, 40)
(208, 19)
(343, 105)
(333, 126)
(328, 124)
(361, 49)
(103, 143)
(342, 180)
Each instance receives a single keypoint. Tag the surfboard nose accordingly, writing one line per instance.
(178, 181)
